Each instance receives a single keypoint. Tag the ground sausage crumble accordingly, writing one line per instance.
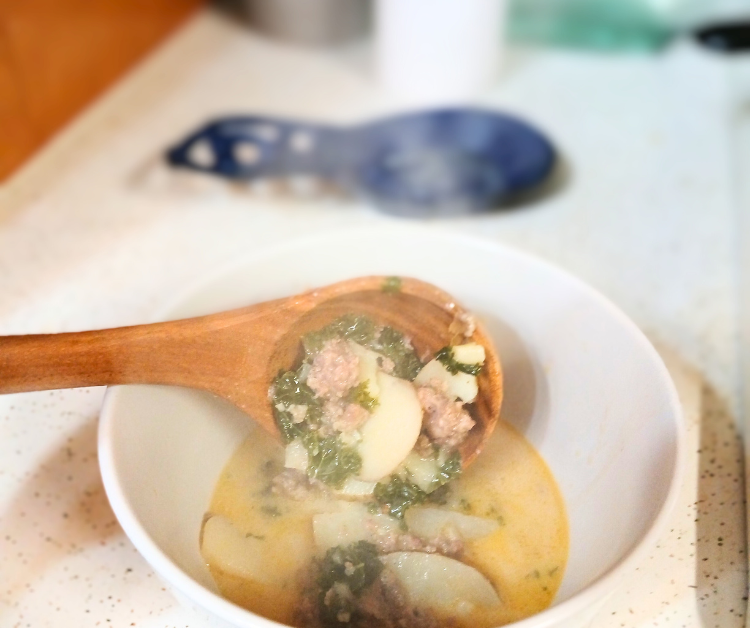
(334, 370)
(445, 420)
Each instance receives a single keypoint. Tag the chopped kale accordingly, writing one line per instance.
(449, 470)
(494, 514)
(359, 329)
(356, 328)
(445, 356)
(392, 284)
(330, 461)
(288, 429)
(360, 394)
(400, 492)
(391, 344)
(344, 572)
(271, 511)
(357, 565)
(362, 330)
(289, 390)
(398, 495)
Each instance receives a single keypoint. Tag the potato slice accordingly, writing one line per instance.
(224, 547)
(459, 385)
(430, 523)
(445, 585)
(470, 353)
(356, 489)
(352, 525)
(368, 367)
(424, 472)
(391, 431)
(296, 456)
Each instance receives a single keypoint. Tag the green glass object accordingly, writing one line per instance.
(612, 25)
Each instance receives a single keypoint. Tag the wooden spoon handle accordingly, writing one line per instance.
(224, 353)
(202, 352)
(139, 354)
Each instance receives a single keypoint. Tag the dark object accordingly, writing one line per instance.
(310, 22)
(448, 161)
(730, 37)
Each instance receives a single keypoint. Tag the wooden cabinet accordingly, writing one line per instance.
(58, 55)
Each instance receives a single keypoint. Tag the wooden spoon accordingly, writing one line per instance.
(237, 354)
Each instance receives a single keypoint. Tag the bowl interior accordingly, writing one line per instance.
(581, 382)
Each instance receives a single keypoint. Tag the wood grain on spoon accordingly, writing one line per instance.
(236, 354)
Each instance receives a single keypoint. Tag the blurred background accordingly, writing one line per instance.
(615, 144)
(56, 57)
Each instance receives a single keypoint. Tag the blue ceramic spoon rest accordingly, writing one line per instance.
(434, 162)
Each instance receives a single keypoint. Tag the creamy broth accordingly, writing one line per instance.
(524, 558)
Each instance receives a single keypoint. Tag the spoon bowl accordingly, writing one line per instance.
(425, 314)
(236, 354)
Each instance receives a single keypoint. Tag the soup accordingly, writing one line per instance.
(366, 517)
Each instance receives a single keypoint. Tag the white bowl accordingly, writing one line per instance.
(582, 383)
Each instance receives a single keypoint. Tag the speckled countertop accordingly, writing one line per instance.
(93, 235)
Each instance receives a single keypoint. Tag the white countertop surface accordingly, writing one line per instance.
(92, 235)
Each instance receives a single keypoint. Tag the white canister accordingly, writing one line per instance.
(438, 51)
